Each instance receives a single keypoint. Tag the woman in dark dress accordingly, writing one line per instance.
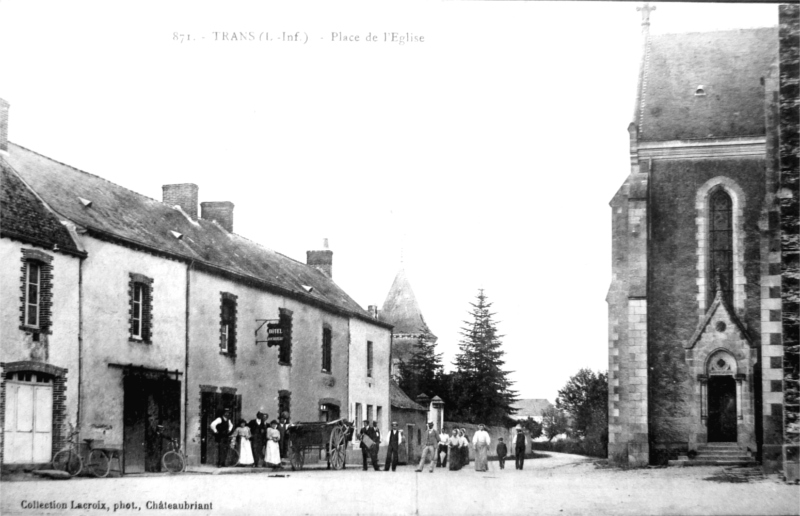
(454, 450)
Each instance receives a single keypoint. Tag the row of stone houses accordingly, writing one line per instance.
(120, 313)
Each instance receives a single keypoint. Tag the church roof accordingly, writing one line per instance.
(728, 65)
(401, 309)
(400, 399)
(125, 217)
(27, 219)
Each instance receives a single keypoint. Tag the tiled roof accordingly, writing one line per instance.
(728, 64)
(401, 310)
(26, 218)
(531, 407)
(119, 214)
(400, 399)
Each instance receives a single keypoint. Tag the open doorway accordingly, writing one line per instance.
(722, 409)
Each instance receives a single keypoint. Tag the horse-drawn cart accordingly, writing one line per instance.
(331, 437)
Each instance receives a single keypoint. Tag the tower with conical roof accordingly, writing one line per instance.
(401, 310)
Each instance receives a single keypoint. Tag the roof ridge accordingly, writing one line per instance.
(87, 173)
(717, 31)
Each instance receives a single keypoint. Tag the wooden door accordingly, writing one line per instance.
(28, 430)
(149, 403)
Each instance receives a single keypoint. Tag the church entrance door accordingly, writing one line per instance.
(721, 409)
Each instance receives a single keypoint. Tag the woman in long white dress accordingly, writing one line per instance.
(273, 455)
(242, 435)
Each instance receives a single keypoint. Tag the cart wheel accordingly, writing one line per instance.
(297, 459)
(337, 453)
(173, 462)
(99, 465)
(69, 461)
(232, 459)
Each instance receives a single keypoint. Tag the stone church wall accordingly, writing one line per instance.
(676, 284)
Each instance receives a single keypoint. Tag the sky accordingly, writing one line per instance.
(481, 153)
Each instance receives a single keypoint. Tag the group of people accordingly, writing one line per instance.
(453, 448)
(260, 444)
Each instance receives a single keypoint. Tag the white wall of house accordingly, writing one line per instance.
(365, 390)
(59, 347)
(106, 333)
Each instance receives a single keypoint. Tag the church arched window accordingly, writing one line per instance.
(720, 241)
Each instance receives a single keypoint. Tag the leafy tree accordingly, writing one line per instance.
(533, 427)
(422, 373)
(481, 389)
(585, 399)
(554, 422)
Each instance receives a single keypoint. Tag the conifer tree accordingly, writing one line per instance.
(422, 373)
(481, 389)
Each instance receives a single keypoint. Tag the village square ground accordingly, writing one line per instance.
(558, 484)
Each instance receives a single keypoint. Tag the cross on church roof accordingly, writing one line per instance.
(646, 10)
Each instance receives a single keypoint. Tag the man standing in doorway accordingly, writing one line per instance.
(222, 427)
(519, 448)
(430, 443)
(395, 440)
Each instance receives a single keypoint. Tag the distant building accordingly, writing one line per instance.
(411, 418)
(531, 408)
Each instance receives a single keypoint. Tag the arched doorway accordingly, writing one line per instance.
(722, 397)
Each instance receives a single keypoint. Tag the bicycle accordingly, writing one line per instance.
(232, 457)
(100, 457)
(69, 459)
(173, 460)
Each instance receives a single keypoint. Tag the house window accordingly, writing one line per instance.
(326, 349)
(369, 413)
(284, 403)
(359, 419)
(36, 286)
(141, 302)
(32, 285)
(369, 359)
(227, 326)
(720, 238)
(378, 414)
(285, 352)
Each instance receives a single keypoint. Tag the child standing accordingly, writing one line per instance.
(502, 451)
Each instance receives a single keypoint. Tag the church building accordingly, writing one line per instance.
(401, 310)
(703, 299)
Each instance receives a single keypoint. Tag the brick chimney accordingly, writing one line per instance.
(183, 195)
(373, 311)
(4, 126)
(221, 211)
(321, 260)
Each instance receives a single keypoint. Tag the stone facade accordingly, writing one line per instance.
(696, 337)
(137, 327)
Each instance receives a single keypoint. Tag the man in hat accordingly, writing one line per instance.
(258, 439)
(519, 448)
(222, 427)
(395, 440)
(430, 443)
(369, 445)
